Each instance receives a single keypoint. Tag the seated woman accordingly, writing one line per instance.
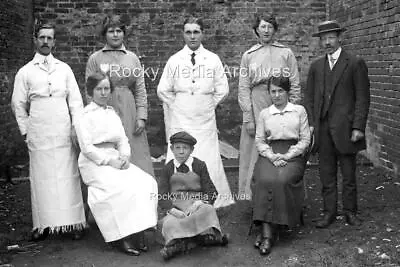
(186, 184)
(282, 137)
(121, 196)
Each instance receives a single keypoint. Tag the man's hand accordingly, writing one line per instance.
(356, 135)
(251, 128)
(140, 124)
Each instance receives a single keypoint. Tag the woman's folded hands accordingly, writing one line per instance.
(121, 163)
(279, 160)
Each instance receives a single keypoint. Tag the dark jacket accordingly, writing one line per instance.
(348, 101)
(200, 168)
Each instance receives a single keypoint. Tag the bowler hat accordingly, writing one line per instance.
(328, 26)
(183, 137)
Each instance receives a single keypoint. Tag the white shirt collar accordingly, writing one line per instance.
(108, 48)
(289, 107)
(188, 163)
(335, 55)
(39, 58)
(93, 106)
(189, 51)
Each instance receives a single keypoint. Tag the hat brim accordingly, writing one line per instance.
(317, 34)
(183, 140)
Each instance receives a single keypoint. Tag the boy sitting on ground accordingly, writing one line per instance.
(186, 184)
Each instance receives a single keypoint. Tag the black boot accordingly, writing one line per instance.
(140, 241)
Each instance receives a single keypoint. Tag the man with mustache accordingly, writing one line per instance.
(46, 102)
(337, 98)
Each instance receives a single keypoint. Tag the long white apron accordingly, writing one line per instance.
(54, 178)
(123, 202)
(195, 114)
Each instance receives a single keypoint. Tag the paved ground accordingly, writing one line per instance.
(375, 243)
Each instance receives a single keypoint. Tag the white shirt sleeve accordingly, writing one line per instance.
(75, 103)
(19, 101)
(165, 88)
(221, 85)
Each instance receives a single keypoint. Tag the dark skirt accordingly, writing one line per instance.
(278, 192)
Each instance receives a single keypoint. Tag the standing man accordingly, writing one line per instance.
(337, 100)
(192, 85)
(46, 102)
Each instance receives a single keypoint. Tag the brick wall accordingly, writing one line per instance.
(16, 50)
(373, 33)
(155, 34)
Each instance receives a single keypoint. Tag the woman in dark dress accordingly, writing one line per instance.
(282, 137)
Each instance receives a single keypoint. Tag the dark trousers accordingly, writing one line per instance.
(329, 157)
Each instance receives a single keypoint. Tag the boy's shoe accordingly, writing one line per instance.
(170, 251)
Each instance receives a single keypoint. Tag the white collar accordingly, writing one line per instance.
(335, 55)
(289, 107)
(93, 106)
(189, 51)
(109, 48)
(39, 58)
(188, 163)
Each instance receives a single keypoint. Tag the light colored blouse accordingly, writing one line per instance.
(100, 125)
(258, 64)
(288, 124)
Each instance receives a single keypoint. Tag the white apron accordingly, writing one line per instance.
(195, 114)
(123, 202)
(54, 178)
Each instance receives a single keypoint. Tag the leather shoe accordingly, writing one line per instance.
(142, 244)
(352, 219)
(258, 241)
(167, 252)
(36, 236)
(225, 239)
(266, 246)
(213, 240)
(127, 248)
(326, 220)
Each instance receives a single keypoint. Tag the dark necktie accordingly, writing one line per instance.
(192, 59)
(183, 168)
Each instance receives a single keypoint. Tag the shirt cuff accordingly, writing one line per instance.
(267, 153)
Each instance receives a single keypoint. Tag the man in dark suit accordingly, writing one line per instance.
(337, 98)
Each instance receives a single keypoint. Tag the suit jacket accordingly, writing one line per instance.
(348, 101)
